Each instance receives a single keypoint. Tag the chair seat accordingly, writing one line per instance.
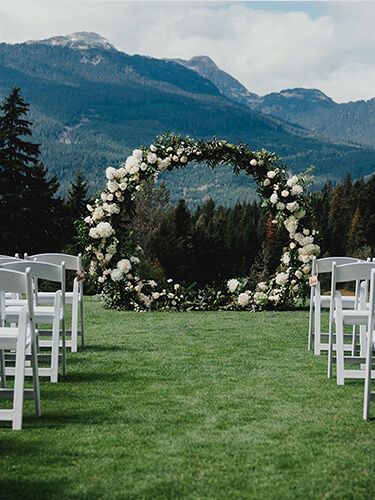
(9, 336)
(47, 297)
(348, 301)
(355, 317)
(41, 313)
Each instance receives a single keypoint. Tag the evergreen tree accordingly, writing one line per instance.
(356, 236)
(77, 196)
(29, 215)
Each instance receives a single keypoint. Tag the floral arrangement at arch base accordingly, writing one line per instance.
(113, 260)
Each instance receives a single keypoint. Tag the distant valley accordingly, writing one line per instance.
(92, 104)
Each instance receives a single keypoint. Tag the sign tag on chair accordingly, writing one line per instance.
(313, 280)
(81, 276)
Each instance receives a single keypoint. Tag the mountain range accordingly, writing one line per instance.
(307, 108)
(91, 104)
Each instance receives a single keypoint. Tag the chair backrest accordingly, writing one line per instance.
(16, 282)
(358, 271)
(324, 265)
(6, 258)
(72, 262)
(40, 270)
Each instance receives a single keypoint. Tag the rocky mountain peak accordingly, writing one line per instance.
(82, 40)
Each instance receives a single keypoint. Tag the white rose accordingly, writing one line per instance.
(232, 285)
(267, 182)
(293, 180)
(280, 205)
(152, 158)
(253, 162)
(274, 198)
(137, 153)
(110, 173)
(271, 174)
(285, 193)
(292, 206)
(297, 189)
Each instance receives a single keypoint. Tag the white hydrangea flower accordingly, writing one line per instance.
(291, 224)
(124, 265)
(134, 260)
(116, 274)
(243, 299)
(281, 279)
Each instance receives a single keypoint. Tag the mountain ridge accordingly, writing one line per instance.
(307, 108)
(91, 106)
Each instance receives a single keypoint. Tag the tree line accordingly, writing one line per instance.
(206, 245)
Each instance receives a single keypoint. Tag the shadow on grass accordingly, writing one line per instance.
(33, 488)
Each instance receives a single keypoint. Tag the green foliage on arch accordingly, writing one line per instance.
(113, 259)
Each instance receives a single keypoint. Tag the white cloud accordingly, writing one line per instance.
(268, 49)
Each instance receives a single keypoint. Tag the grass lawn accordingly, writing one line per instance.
(205, 405)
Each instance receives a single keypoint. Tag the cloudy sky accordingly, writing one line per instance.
(267, 45)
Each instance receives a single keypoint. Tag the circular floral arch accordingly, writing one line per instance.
(113, 260)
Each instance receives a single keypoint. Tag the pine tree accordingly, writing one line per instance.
(28, 211)
(77, 196)
(356, 237)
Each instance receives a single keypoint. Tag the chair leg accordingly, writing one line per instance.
(339, 348)
(19, 381)
(2, 369)
(55, 343)
(311, 313)
(74, 334)
(82, 323)
(317, 329)
(34, 363)
(63, 333)
(367, 391)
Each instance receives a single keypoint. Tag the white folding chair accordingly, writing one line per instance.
(73, 298)
(53, 315)
(16, 339)
(357, 272)
(319, 301)
(369, 373)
